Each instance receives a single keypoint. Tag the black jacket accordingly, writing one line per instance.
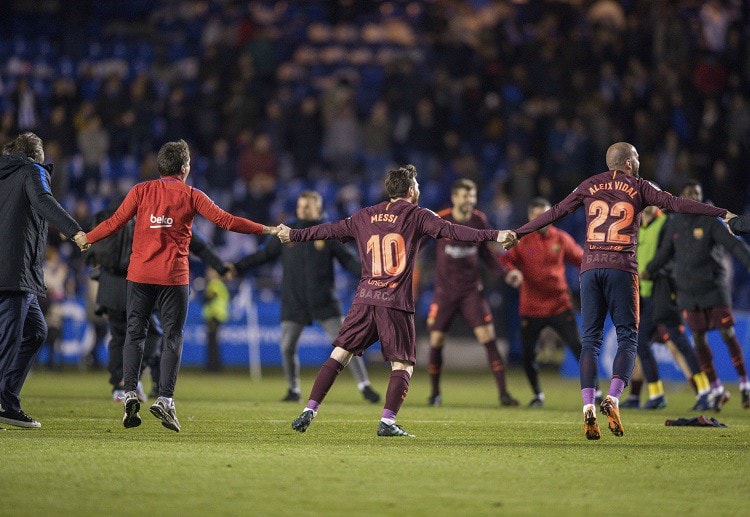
(697, 243)
(308, 287)
(740, 224)
(26, 205)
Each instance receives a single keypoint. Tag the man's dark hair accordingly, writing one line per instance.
(26, 143)
(691, 183)
(538, 202)
(398, 181)
(462, 184)
(172, 156)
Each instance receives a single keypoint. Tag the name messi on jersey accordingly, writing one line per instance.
(614, 185)
(383, 218)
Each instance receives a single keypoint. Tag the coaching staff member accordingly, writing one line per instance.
(308, 291)
(112, 256)
(26, 205)
(159, 272)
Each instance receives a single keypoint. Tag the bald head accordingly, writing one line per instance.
(622, 156)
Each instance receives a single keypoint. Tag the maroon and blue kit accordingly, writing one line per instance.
(458, 283)
(613, 202)
(388, 237)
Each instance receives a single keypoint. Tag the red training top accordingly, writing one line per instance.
(164, 211)
(388, 236)
(613, 202)
(541, 259)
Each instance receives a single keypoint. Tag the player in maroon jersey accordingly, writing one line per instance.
(613, 201)
(388, 237)
(458, 287)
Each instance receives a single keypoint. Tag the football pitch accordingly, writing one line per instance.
(237, 453)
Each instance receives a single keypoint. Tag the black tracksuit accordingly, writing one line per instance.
(741, 224)
(308, 285)
(26, 205)
(697, 243)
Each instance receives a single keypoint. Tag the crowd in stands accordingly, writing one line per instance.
(276, 97)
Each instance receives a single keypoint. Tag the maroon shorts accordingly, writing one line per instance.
(473, 307)
(713, 318)
(365, 324)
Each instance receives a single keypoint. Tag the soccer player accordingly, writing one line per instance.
(613, 201)
(697, 245)
(660, 318)
(458, 287)
(388, 236)
(159, 272)
(544, 298)
(308, 291)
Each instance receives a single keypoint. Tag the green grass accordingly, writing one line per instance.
(237, 454)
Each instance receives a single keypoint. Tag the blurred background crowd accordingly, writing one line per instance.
(276, 97)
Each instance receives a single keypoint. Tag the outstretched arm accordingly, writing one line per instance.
(664, 253)
(573, 252)
(653, 196)
(734, 245)
(336, 230)
(347, 258)
(438, 228)
(207, 254)
(209, 210)
(119, 219)
(40, 197)
(270, 251)
(740, 224)
(567, 206)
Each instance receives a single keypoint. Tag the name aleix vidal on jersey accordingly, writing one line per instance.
(161, 221)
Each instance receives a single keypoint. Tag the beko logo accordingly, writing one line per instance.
(161, 222)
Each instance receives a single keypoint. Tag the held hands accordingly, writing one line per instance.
(282, 232)
(728, 217)
(514, 278)
(507, 238)
(81, 240)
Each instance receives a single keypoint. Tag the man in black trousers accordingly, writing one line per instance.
(112, 256)
(26, 205)
(308, 291)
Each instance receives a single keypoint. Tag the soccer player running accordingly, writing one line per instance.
(458, 287)
(388, 237)
(697, 245)
(544, 299)
(159, 272)
(308, 291)
(613, 201)
(660, 318)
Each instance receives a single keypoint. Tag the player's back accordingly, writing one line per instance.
(163, 229)
(613, 203)
(388, 236)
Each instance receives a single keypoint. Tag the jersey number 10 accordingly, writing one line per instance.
(388, 254)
